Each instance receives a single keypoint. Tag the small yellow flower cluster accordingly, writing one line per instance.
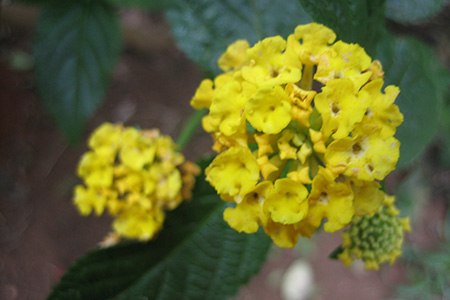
(375, 239)
(304, 132)
(135, 176)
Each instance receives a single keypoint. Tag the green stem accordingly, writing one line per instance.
(319, 159)
(189, 128)
(286, 168)
(306, 82)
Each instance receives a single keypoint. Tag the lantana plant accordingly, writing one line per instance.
(304, 132)
(305, 127)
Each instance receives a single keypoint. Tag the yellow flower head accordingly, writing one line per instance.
(375, 239)
(134, 175)
(304, 130)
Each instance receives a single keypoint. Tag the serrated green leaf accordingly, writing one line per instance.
(146, 4)
(353, 21)
(196, 256)
(423, 83)
(413, 11)
(76, 46)
(204, 28)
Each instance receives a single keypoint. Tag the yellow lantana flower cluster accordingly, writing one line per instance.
(134, 175)
(375, 239)
(304, 131)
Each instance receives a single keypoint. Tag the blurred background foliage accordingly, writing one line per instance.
(78, 43)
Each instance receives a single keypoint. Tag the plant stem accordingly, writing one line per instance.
(286, 168)
(189, 128)
(306, 82)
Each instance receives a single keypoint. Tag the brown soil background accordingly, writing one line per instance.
(41, 233)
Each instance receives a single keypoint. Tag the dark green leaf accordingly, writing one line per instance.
(146, 4)
(423, 82)
(204, 28)
(413, 11)
(428, 273)
(196, 256)
(353, 21)
(447, 226)
(444, 153)
(335, 253)
(76, 47)
(37, 2)
(412, 194)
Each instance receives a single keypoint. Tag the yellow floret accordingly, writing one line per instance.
(245, 217)
(314, 40)
(87, 199)
(233, 172)
(234, 56)
(283, 235)
(332, 199)
(381, 113)
(226, 109)
(368, 197)
(287, 203)
(269, 110)
(134, 222)
(96, 170)
(344, 60)
(203, 95)
(365, 157)
(105, 140)
(340, 108)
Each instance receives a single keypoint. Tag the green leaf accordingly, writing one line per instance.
(196, 256)
(428, 273)
(446, 226)
(204, 28)
(335, 253)
(423, 83)
(76, 46)
(413, 11)
(146, 4)
(37, 2)
(353, 21)
(412, 194)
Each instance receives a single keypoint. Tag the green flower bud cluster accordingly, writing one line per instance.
(375, 239)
